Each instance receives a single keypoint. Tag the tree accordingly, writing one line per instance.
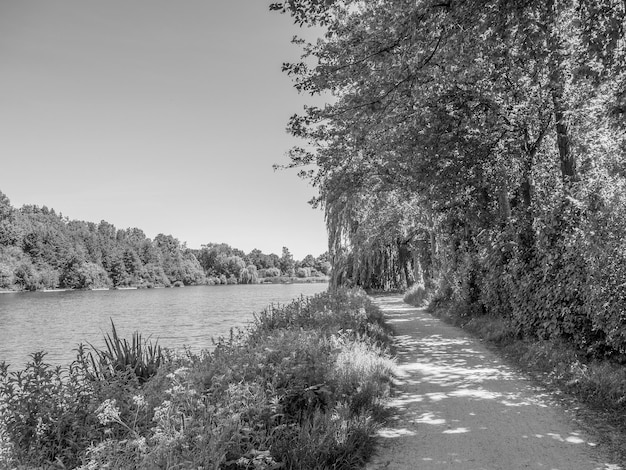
(71, 276)
(261, 260)
(8, 230)
(249, 275)
(25, 277)
(269, 272)
(114, 265)
(413, 114)
(287, 263)
(6, 276)
(477, 144)
(6, 209)
(308, 261)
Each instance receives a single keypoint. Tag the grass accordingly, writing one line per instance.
(596, 389)
(301, 388)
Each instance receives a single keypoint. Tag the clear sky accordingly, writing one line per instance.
(158, 114)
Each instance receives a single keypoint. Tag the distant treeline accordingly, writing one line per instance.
(40, 249)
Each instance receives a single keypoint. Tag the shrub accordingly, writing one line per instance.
(417, 295)
(303, 272)
(45, 414)
(270, 272)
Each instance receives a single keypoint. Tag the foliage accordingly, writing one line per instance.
(270, 272)
(40, 249)
(417, 295)
(287, 263)
(300, 388)
(475, 149)
(45, 415)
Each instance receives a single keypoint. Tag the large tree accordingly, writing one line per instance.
(482, 140)
(455, 101)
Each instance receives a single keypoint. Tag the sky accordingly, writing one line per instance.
(157, 114)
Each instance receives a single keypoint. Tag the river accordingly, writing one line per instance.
(57, 322)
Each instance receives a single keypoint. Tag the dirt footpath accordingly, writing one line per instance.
(459, 407)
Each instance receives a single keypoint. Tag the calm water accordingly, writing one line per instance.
(57, 321)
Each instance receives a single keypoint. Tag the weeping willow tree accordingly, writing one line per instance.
(378, 237)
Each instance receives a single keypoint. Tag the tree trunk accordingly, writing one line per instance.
(526, 230)
(405, 258)
(557, 91)
(504, 203)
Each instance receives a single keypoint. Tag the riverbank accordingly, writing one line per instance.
(302, 387)
(263, 280)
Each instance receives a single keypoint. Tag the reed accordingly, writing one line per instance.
(141, 357)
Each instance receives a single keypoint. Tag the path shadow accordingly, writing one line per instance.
(461, 407)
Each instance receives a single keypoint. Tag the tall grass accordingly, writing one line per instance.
(142, 358)
(300, 388)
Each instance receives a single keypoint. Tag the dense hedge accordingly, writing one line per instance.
(571, 285)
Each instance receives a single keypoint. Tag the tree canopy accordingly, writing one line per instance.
(40, 249)
(476, 147)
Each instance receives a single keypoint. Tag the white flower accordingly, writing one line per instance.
(141, 444)
(41, 427)
(108, 412)
(139, 401)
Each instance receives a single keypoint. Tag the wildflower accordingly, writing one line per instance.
(108, 412)
(162, 412)
(141, 444)
(41, 428)
(139, 401)
(180, 372)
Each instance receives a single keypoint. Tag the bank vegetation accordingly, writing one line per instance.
(302, 388)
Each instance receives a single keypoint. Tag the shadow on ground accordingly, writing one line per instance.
(456, 405)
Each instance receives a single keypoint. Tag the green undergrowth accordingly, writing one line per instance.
(417, 295)
(577, 377)
(302, 387)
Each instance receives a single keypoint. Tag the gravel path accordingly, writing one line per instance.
(460, 407)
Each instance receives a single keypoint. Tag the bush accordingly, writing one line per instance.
(417, 295)
(303, 272)
(270, 272)
(45, 415)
